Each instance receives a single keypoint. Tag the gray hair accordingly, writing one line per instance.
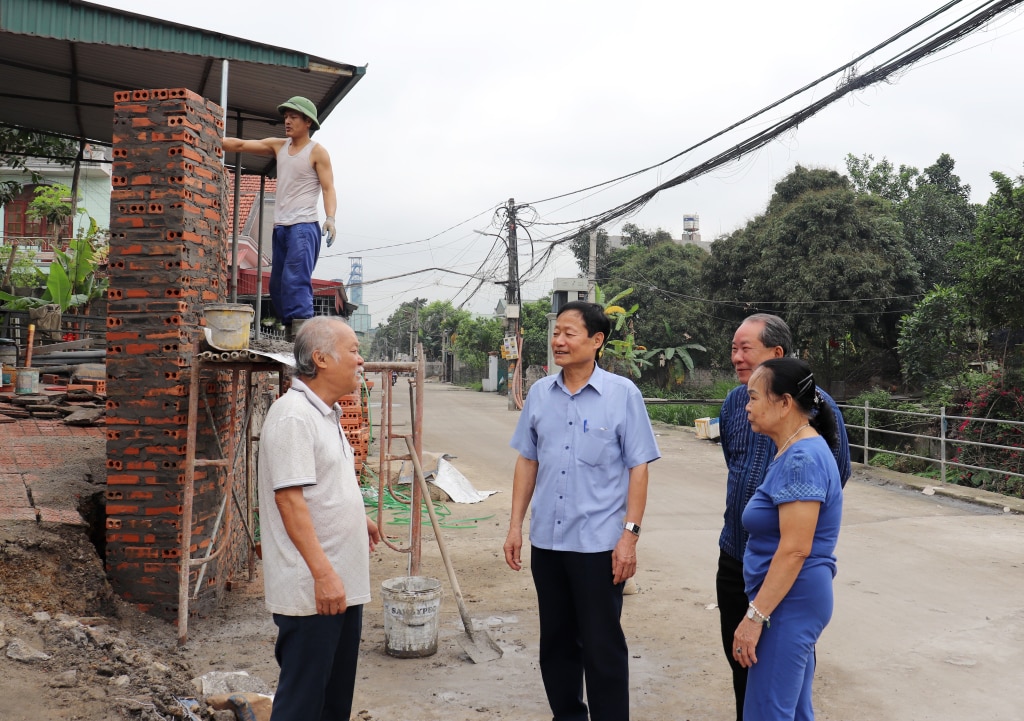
(319, 333)
(774, 333)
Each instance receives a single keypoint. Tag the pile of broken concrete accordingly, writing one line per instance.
(76, 406)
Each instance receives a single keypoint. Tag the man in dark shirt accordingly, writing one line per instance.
(747, 455)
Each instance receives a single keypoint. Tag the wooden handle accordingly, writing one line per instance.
(31, 340)
(421, 479)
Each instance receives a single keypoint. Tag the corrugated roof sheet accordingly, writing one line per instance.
(62, 60)
(87, 23)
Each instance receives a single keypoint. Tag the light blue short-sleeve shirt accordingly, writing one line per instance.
(584, 443)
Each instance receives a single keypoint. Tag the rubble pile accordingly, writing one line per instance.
(89, 657)
(77, 406)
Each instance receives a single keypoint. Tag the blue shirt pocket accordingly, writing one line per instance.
(597, 447)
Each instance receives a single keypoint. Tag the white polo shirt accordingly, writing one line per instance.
(302, 444)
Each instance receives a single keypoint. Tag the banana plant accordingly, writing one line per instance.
(623, 353)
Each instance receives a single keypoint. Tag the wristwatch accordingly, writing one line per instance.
(757, 617)
(632, 528)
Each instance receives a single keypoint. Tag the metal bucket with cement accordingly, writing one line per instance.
(27, 381)
(227, 325)
(411, 605)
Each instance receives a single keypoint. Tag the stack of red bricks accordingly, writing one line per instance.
(355, 423)
(167, 259)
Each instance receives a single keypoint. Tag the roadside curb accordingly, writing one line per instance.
(927, 486)
(1007, 504)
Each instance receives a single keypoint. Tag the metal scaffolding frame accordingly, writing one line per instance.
(242, 362)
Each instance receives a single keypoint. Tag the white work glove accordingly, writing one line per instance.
(329, 230)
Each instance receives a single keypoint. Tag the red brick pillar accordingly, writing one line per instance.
(167, 259)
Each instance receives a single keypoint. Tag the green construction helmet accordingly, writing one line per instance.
(301, 105)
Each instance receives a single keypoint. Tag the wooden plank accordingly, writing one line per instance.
(81, 344)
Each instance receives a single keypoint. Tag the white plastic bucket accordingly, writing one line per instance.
(411, 605)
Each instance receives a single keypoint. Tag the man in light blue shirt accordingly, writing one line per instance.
(584, 442)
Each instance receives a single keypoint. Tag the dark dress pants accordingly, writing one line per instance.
(732, 607)
(581, 635)
(317, 656)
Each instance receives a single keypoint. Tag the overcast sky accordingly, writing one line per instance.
(468, 103)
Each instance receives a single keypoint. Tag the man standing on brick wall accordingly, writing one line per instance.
(314, 530)
(303, 172)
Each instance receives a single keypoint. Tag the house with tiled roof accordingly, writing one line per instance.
(250, 218)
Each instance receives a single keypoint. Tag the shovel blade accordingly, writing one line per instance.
(479, 646)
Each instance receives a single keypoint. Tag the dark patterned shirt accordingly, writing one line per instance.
(747, 455)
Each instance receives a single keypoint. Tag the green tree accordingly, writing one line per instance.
(992, 273)
(580, 247)
(831, 261)
(933, 206)
(392, 339)
(53, 204)
(24, 272)
(939, 339)
(633, 235)
(18, 146)
(937, 215)
(476, 338)
(881, 178)
(535, 332)
(666, 283)
(437, 321)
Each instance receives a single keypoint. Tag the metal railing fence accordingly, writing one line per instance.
(944, 448)
(943, 440)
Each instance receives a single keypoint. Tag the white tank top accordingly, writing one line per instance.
(298, 187)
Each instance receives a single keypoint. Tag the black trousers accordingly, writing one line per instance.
(317, 656)
(581, 635)
(732, 606)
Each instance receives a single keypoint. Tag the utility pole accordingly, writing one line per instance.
(413, 331)
(592, 268)
(512, 300)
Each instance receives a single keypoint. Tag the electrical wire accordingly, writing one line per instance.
(852, 82)
(841, 69)
(409, 242)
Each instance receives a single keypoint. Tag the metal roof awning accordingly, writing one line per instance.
(62, 60)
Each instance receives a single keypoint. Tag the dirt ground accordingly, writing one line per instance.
(108, 661)
(904, 642)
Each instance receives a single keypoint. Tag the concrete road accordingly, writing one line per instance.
(929, 618)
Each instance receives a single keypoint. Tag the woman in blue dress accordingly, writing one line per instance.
(793, 521)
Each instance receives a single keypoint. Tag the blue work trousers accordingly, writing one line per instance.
(581, 635)
(295, 248)
(318, 657)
